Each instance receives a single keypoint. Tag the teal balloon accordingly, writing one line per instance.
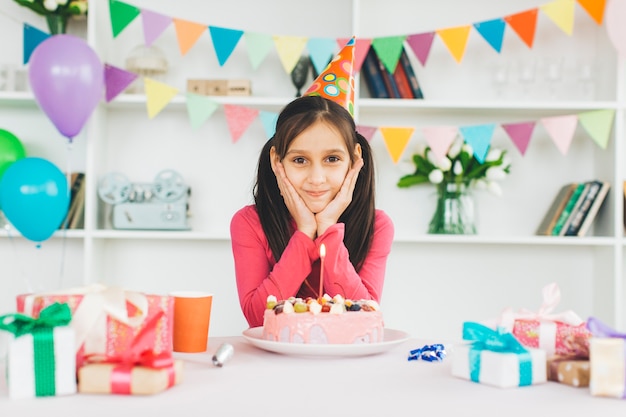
(34, 197)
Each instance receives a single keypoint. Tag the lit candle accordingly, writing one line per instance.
(322, 256)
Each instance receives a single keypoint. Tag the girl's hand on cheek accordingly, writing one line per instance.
(304, 218)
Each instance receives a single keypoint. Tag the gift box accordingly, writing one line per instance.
(559, 334)
(607, 357)
(41, 358)
(570, 371)
(496, 358)
(109, 378)
(106, 319)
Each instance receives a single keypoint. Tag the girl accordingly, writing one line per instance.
(315, 184)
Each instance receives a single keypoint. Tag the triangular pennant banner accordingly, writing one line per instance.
(224, 42)
(439, 138)
(520, 134)
(420, 43)
(492, 31)
(239, 119)
(524, 24)
(116, 80)
(258, 46)
(361, 48)
(598, 124)
(268, 119)
(455, 40)
(289, 50)
(595, 9)
(122, 14)
(154, 24)
(321, 51)
(479, 138)
(32, 38)
(199, 108)
(561, 12)
(388, 49)
(367, 132)
(396, 139)
(187, 34)
(158, 95)
(561, 129)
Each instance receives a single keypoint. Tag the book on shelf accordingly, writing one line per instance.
(554, 211)
(586, 217)
(567, 210)
(575, 208)
(402, 81)
(388, 79)
(373, 76)
(77, 221)
(410, 73)
(76, 183)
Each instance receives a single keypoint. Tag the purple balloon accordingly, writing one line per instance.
(67, 78)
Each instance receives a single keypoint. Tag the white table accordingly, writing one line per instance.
(260, 383)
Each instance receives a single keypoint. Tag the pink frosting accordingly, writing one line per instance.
(324, 328)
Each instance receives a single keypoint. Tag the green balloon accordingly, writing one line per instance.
(11, 149)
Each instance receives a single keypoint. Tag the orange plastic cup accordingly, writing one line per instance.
(192, 316)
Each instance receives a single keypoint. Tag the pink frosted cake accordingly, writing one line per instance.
(323, 321)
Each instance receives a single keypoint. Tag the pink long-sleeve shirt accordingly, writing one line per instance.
(259, 275)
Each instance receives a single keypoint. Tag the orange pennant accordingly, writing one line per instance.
(524, 24)
(595, 9)
(396, 139)
(455, 39)
(188, 33)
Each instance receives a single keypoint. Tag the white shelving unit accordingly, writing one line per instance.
(434, 283)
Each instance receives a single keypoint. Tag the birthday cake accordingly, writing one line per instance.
(323, 321)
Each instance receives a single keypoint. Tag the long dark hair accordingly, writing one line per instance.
(358, 217)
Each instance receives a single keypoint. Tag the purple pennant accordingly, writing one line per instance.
(366, 131)
(420, 43)
(116, 80)
(153, 25)
(520, 134)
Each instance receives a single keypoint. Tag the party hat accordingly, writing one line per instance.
(336, 82)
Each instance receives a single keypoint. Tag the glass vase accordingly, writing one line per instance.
(57, 24)
(454, 213)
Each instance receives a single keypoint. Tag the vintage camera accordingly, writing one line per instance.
(161, 205)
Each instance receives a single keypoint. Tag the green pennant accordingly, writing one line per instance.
(199, 109)
(598, 124)
(389, 49)
(121, 15)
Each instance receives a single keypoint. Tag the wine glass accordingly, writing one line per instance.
(299, 74)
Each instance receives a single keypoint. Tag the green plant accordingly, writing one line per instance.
(58, 7)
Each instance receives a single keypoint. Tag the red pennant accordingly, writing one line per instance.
(524, 24)
(239, 119)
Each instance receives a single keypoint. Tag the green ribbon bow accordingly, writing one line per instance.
(43, 341)
(485, 338)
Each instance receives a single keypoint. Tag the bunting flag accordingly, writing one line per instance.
(367, 132)
(520, 134)
(595, 9)
(268, 119)
(420, 44)
(561, 12)
(187, 34)
(158, 95)
(439, 138)
(289, 50)
(239, 118)
(321, 51)
(561, 129)
(116, 80)
(598, 124)
(122, 14)
(32, 38)
(479, 138)
(361, 48)
(455, 40)
(154, 24)
(492, 31)
(259, 45)
(224, 42)
(396, 139)
(199, 108)
(389, 49)
(524, 24)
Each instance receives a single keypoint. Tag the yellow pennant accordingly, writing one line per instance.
(158, 95)
(456, 40)
(289, 50)
(396, 139)
(561, 12)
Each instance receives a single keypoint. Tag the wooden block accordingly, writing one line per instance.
(197, 87)
(228, 87)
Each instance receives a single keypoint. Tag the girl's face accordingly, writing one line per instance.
(316, 163)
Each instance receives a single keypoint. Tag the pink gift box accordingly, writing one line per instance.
(106, 320)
